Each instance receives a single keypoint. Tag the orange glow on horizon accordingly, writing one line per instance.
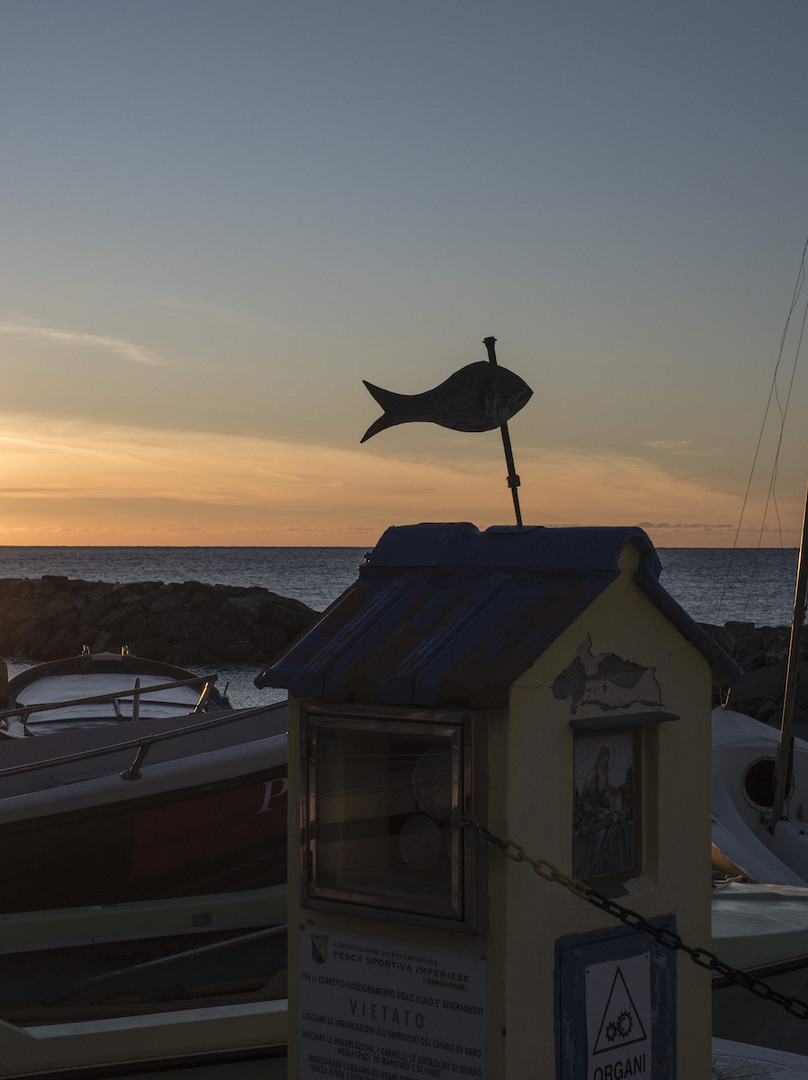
(66, 483)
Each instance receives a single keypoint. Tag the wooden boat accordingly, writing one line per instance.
(177, 985)
(92, 689)
(136, 801)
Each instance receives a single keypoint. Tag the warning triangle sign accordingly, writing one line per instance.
(621, 1024)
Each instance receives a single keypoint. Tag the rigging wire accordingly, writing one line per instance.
(772, 494)
(773, 396)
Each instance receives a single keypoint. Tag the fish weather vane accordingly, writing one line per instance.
(478, 397)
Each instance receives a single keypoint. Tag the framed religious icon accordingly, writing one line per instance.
(607, 807)
(385, 796)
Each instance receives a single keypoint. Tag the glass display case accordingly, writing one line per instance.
(382, 812)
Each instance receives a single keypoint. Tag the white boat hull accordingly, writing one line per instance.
(763, 930)
(743, 764)
(167, 988)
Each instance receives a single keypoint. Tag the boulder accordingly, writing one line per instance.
(762, 652)
(189, 624)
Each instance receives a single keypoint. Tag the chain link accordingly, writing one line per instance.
(669, 939)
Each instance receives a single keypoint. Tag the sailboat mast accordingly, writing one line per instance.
(783, 766)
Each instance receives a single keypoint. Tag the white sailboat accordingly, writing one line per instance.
(760, 826)
(760, 839)
(760, 778)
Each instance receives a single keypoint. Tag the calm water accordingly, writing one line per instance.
(712, 584)
(717, 585)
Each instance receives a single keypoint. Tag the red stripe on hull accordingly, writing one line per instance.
(207, 825)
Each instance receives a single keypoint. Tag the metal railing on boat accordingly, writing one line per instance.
(142, 743)
(136, 692)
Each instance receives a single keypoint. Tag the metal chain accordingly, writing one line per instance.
(669, 939)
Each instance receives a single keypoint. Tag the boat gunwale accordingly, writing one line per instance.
(227, 717)
(111, 695)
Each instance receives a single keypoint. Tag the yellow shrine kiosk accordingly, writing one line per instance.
(533, 685)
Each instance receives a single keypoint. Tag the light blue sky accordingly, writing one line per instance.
(219, 217)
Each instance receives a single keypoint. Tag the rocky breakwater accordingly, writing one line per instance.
(189, 624)
(762, 653)
(194, 624)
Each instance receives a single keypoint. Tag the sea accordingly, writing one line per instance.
(714, 585)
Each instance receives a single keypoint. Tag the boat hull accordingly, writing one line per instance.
(175, 985)
(743, 768)
(204, 810)
(200, 839)
(763, 931)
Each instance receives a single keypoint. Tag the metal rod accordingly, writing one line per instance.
(783, 766)
(229, 717)
(513, 476)
(133, 772)
(203, 697)
(160, 961)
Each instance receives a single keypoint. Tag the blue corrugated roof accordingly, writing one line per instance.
(444, 614)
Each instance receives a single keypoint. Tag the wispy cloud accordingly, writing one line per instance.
(126, 350)
(681, 447)
(669, 444)
(103, 483)
(685, 525)
(198, 307)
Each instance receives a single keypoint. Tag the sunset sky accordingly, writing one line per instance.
(220, 216)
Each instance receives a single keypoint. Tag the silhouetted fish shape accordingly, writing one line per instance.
(478, 397)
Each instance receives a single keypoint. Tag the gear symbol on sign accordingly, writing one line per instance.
(611, 1031)
(624, 1023)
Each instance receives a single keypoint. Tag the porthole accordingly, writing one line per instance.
(758, 783)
